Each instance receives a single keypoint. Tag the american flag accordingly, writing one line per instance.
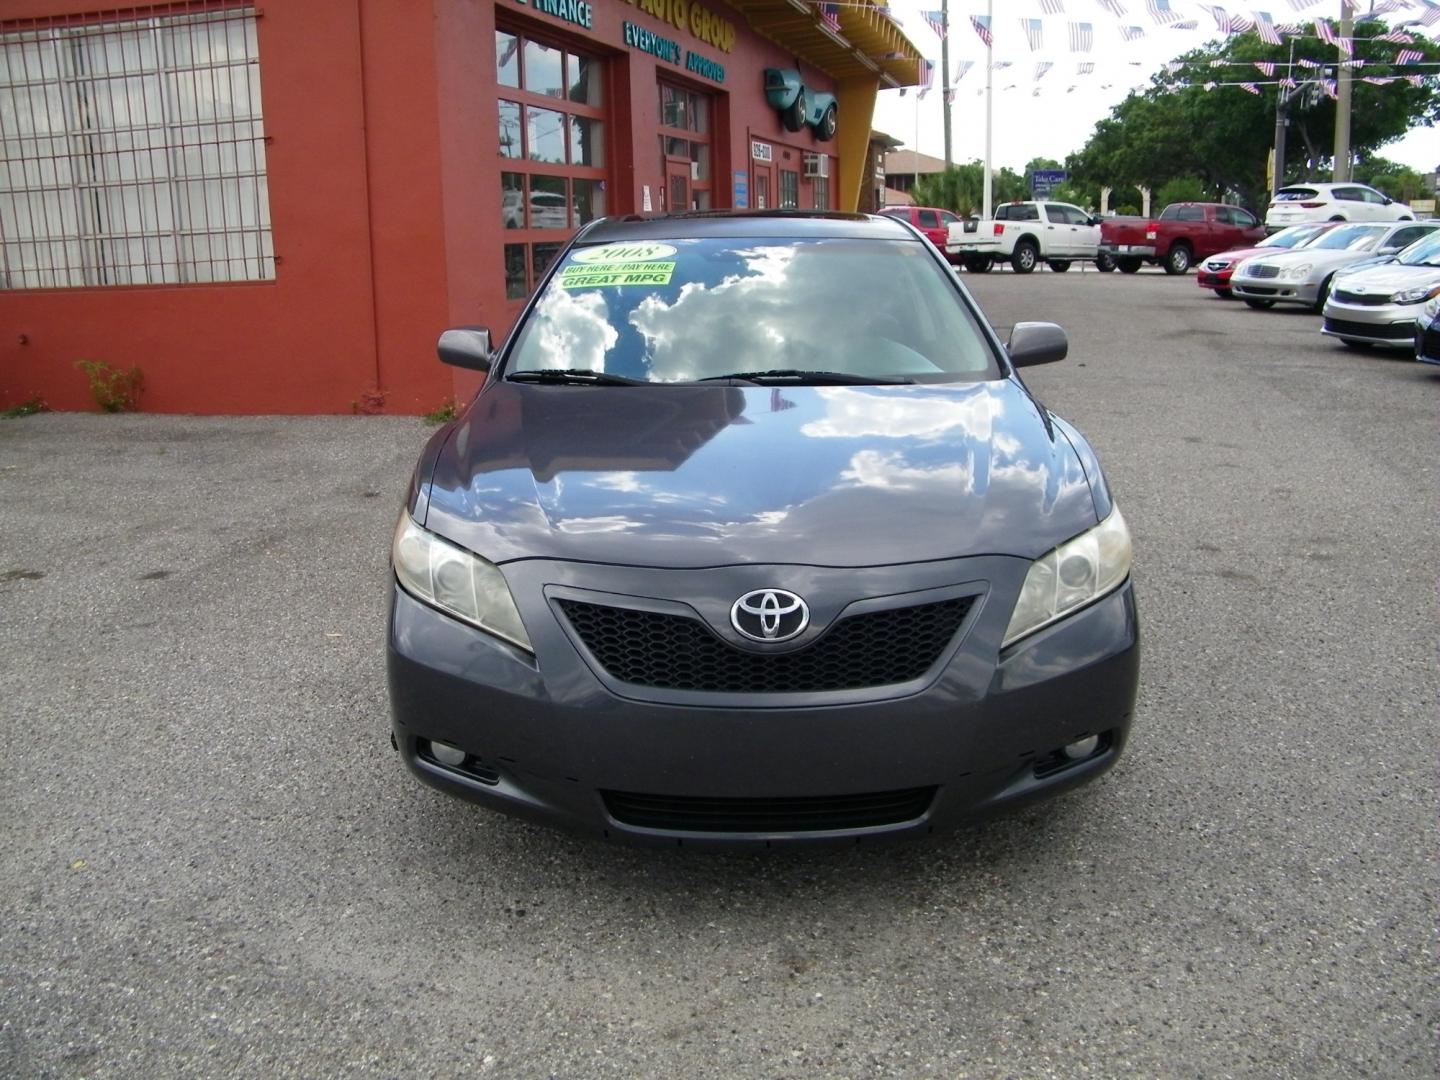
(1267, 68)
(1087, 68)
(950, 96)
(1082, 37)
(1409, 56)
(1210, 85)
(1114, 7)
(1132, 33)
(778, 402)
(1289, 83)
(1324, 31)
(1174, 65)
(1396, 37)
(937, 21)
(1328, 85)
(1432, 13)
(1035, 32)
(1308, 63)
(981, 23)
(1217, 62)
(1188, 24)
(1416, 81)
(1041, 68)
(963, 67)
(1223, 22)
(1160, 11)
(1053, 7)
(927, 76)
(1265, 27)
(1249, 88)
(1378, 80)
(1301, 5)
(830, 15)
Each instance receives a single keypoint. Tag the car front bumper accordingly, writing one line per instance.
(1427, 340)
(1375, 324)
(551, 738)
(1213, 279)
(1276, 289)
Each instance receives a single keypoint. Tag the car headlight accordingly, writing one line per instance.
(456, 582)
(1416, 295)
(1076, 573)
(1299, 273)
(1432, 309)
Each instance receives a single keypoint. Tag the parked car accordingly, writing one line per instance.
(1304, 276)
(1214, 273)
(1184, 233)
(1378, 305)
(1427, 333)
(1027, 234)
(931, 220)
(1332, 202)
(754, 534)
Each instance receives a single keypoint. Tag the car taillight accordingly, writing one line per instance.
(999, 228)
(1150, 233)
(1312, 205)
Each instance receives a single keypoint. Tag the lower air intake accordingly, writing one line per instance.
(681, 813)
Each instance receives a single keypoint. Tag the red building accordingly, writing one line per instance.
(276, 208)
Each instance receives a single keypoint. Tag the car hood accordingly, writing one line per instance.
(1322, 259)
(694, 476)
(1390, 277)
(1235, 255)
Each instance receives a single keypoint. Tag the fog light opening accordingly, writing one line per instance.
(446, 754)
(1081, 749)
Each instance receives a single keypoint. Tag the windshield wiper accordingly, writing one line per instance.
(573, 377)
(798, 375)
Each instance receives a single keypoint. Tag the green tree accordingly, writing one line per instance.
(962, 188)
(1398, 181)
(1182, 189)
(1223, 136)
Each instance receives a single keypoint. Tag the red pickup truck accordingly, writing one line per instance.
(1181, 236)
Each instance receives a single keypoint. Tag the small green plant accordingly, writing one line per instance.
(26, 408)
(113, 389)
(444, 414)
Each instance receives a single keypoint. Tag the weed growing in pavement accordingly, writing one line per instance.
(444, 414)
(113, 389)
(26, 408)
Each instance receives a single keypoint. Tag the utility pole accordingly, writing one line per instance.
(945, 74)
(989, 104)
(1282, 121)
(1344, 80)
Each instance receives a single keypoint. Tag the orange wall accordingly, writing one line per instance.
(384, 185)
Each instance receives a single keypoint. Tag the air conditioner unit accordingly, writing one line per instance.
(817, 164)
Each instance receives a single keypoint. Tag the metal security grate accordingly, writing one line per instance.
(132, 150)
(675, 652)
(680, 813)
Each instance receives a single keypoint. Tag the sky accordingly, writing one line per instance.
(1059, 120)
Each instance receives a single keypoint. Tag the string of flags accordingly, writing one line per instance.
(1080, 36)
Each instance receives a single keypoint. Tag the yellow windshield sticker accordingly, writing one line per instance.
(622, 253)
(601, 275)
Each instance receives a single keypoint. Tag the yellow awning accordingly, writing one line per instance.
(867, 42)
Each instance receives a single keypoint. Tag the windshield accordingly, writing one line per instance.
(1424, 252)
(1293, 237)
(690, 309)
(1350, 238)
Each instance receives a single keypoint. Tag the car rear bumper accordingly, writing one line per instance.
(562, 747)
(1144, 251)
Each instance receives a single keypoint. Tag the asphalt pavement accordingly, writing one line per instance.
(213, 864)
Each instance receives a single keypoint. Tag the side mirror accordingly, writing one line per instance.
(1388, 200)
(465, 347)
(1036, 343)
(1388, 250)
(1097, 221)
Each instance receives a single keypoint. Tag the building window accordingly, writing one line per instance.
(822, 192)
(552, 150)
(685, 148)
(789, 189)
(132, 152)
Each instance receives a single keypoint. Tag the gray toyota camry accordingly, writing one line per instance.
(755, 535)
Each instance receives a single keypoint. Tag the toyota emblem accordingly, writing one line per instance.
(770, 615)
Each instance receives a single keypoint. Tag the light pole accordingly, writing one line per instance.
(945, 74)
(989, 104)
(1344, 85)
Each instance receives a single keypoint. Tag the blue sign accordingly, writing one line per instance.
(1044, 181)
(742, 190)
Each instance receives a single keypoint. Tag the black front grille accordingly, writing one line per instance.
(1386, 331)
(684, 813)
(1345, 296)
(1262, 271)
(676, 652)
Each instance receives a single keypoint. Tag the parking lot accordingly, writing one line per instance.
(213, 864)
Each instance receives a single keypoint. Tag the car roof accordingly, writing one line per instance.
(768, 223)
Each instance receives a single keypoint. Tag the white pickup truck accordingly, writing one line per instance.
(1027, 234)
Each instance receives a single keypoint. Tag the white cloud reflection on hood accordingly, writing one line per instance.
(855, 414)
